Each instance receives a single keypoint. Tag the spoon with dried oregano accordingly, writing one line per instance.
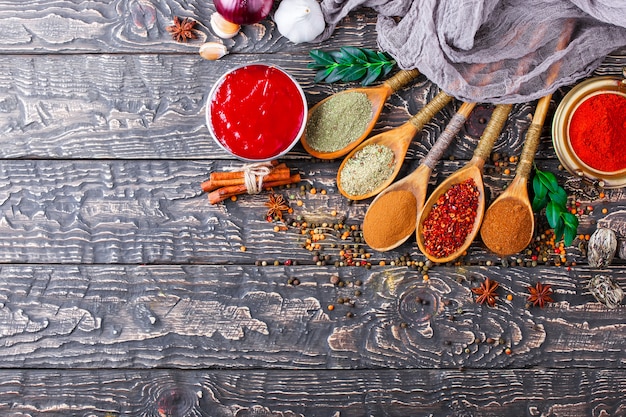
(453, 213)
(391, 217)
(374, 164)
(337, 124)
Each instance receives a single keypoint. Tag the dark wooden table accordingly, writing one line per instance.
(125, 293)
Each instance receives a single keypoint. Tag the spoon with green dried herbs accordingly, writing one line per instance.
(373, 165)
(452, 215)
(337, 124)
(509, 222)
(392, 216)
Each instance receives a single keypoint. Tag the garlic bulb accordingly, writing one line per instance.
(299, 20)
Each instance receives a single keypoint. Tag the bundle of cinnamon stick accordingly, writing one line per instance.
(225, 184)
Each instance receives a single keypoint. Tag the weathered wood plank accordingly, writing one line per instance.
(153, 106)
(146, 317)
(131, 26)
(141, 212)
(380, 393)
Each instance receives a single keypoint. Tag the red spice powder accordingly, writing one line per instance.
(597, 132)
(451, 219)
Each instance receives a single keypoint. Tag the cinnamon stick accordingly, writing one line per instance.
(225, 179)
(229, 175)
(223, 193)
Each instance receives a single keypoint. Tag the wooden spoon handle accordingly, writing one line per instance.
(433, 107)
(533, 136)
(401, 79)
(492, 131)
(447, 136)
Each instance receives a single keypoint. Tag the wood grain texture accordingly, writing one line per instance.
(153, 106)
(375, 393)
(141, 212)
(139, 26)
(198, 317)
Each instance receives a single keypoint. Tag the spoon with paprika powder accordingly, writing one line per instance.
(452, 215)
(397, 140)
(377, 96)
(391, 217)
(509, 222)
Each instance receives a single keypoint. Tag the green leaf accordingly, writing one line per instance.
(334, 75)
(322, 74)
(541, 194)
(357, 54)
(570, 220)
(548, 179)
(349, 64)
(354, 73)
(559, 229)
(559, 197)
(373, 72)
(540, 203)
(321, 57)
(388, 67)
(569, 234)
(553, 214)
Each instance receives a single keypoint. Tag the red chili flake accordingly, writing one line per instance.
(451, 219)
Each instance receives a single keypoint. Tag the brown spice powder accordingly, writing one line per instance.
(506, 227)
(392, 217)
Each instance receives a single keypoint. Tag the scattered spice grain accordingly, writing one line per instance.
(367, 169)
(339, 121)
(390, 218)
(506, 227)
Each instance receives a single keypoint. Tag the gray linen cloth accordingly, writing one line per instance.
(497, 51)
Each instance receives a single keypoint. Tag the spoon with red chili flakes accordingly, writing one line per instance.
(452, 215)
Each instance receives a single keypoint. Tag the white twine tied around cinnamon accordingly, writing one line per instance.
(253, 175)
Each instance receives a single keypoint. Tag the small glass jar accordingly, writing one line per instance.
(561, 125)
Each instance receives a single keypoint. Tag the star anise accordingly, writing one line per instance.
(487, 292)
(276, 205)
(183, 29)
(540, 294)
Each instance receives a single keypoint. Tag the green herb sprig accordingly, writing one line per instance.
(350, 64)
(552, 197)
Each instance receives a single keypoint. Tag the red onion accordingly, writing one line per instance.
(243, 12)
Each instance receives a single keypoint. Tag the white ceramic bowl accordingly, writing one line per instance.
(256, 112)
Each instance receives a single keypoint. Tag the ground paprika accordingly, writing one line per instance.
(597, 132)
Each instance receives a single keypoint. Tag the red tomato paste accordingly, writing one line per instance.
(257, 112)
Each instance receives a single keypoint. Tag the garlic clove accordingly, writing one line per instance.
(213, 51)
(222, 27)
(299, 20)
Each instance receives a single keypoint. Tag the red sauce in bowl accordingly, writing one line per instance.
(257, 112)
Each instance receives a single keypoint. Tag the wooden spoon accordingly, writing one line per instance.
(517, 191)
(377, 96)
(473, 169)
(398, 140)
(416, 183)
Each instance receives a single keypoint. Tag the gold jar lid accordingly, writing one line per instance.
(561, 127)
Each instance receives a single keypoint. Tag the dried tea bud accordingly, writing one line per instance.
(606, 291)
(601, 248)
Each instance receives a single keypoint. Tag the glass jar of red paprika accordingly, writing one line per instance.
(589, 130)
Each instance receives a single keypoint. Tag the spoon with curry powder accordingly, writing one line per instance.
(396, 141)
(391, 217)
(444, 230)
(324, 117)
(509, 222)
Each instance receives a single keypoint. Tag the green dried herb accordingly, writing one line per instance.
(549, 195)
(350, 64)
